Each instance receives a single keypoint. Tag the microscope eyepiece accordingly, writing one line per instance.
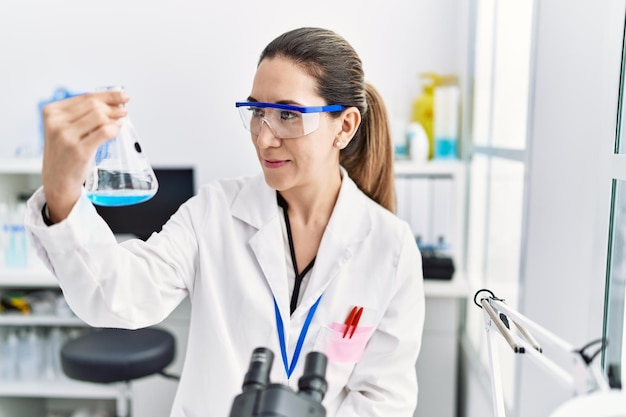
(260, 398)
(258, 375)
(313, 379)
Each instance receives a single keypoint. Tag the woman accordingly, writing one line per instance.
(260, 257)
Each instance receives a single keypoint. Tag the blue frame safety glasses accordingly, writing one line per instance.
(284, 120)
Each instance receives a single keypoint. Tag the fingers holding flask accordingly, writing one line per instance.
(73, 130)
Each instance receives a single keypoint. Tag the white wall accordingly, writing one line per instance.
(185, 63)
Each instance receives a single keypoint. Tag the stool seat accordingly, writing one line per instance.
(116, 355)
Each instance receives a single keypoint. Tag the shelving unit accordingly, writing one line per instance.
(17, 166)
(43, 321)
(32, 277)
(151, 395)
(437, 365)
(19, 177)
(59, 388)
(432, 194)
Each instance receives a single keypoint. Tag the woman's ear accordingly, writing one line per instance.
(350, 122)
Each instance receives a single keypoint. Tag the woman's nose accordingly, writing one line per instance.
(266, 137)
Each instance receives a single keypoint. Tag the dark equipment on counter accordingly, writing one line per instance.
(436, 265)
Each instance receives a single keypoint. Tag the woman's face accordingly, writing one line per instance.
(309, 160)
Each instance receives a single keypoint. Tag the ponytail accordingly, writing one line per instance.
(369, 156)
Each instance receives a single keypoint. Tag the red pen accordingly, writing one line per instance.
(348, 321)
(355, 322)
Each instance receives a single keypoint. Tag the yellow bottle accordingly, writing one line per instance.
(422, 111)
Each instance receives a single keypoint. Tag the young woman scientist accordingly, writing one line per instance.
(312, 237)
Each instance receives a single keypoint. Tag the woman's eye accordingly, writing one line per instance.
(257, 112)
(288, 115)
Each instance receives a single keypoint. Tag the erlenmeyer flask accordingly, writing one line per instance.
(121, 174)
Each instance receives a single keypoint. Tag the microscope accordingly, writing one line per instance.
(260, 398)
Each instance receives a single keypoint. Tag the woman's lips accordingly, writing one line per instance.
(270, 163)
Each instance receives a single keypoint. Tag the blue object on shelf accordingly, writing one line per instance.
(446, 148)
(60, 93)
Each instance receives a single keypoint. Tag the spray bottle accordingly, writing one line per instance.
(423, 107)
(426, 106)
(446, 121)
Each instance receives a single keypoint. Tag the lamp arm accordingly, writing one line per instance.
(540, 331)
(583, 378)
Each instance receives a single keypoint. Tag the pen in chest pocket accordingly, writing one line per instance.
(352, 321)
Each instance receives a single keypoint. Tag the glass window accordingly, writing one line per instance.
(620, 144)
(504, 226)
(614, 359)
(496, 194)
(501, 73)
(511, 73)
(615, 324)
(481, 105)
(504, 240)
(494, 247)
(476, 238)
(476, 242)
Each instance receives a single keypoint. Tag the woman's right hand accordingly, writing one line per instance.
(73, 129)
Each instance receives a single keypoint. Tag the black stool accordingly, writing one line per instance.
(118, 355)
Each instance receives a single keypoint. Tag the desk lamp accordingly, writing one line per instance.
(592, 394)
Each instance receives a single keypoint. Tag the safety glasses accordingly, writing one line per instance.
(285, 121)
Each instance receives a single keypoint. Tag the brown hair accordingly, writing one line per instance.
(335, 65)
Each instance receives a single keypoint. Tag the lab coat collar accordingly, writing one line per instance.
(256, 205)
(349, 224)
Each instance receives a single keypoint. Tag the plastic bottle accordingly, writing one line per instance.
(4, 233)
(11, 236)
(30, 354)
(16, 247)
(10, 350)
(423, 107)
(417, 139)
(398, 134)
(23, 244)
(446, 122)
(52, 356)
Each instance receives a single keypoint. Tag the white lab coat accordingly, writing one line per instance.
(224, 249)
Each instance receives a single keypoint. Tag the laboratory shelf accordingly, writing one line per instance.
(405, 168)
(457, 287)
(20, 165)
(40, 320)
(59, 388)
(33, 277)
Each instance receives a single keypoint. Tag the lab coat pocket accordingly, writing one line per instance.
(343, 349)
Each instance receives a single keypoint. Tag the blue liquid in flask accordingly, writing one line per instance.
(119, 200)
(121, 174)
(117, 189)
